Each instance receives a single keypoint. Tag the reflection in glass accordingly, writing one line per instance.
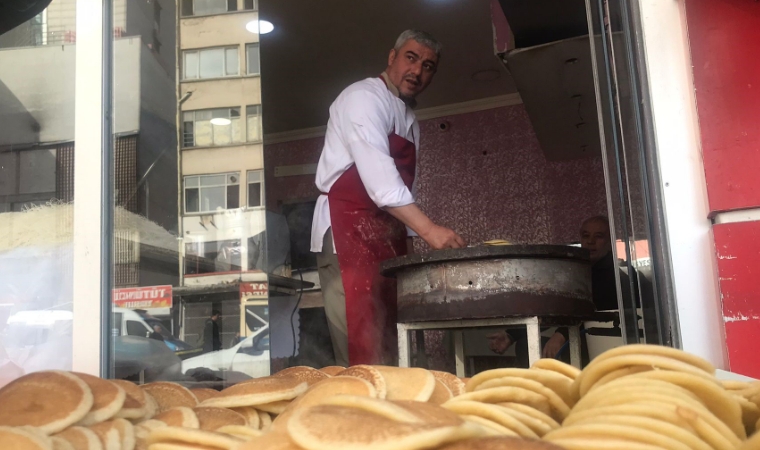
(252, 59)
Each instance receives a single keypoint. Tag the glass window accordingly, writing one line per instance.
(209, 193)
(211, 127)
(255, 197)
(208, 7)
(252, 5)
(211, 63)
(255, 132)
(135, 328)
(252, 59)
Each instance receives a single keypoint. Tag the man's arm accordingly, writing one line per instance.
(436, 236)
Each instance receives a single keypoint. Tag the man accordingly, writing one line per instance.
(156, 334)
(366, 173)
(211, 338)
(595, 237)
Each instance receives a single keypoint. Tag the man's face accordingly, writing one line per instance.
(156, 328)
(215, 317)
(411, 69)
(595, 236)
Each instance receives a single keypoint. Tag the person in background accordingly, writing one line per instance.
(595, 237)
(366, 211)
(156, 334)
(212, 340)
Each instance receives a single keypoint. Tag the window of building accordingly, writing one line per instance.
(207, 7)
(211, 127)
(252, 5)
(209, 193)
(253, 123)
(135, 328)
(255, 191)
(252, 59)
(210, 63)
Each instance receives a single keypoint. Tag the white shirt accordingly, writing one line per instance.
(361, 119)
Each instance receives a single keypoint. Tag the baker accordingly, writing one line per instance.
(366, 174)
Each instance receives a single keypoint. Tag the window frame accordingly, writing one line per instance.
(183, 8)
(247, 66)
(248, 128)
(230, 116)
(198, 52)
(199, 187)
(262, 196)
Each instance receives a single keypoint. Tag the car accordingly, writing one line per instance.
(250, 356)
(128, 322)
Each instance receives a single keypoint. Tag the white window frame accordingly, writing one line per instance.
(260, 181)
(198, 52)
(229, 115)
(225, 185)
(226, 11)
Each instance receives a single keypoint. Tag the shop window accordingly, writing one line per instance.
(209, 193)
(255, 191)
(253, 67)
(251, 5)
(207, 7)
(211, 127)
(253, 118)
(212, 257)
(210, 63)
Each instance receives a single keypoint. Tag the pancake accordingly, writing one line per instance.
(108, 399)
(50, 401)
(492, 428)
(407, 384)
(239, 431)
(332, 370)
(271, 441)
(382, 408)
(251, 416)
(143, 430)
(258, 392)
(303, 373)
(441, 394)
(429, 413)
(60, 444)
(203, 394)
(179, 417)
(455, 385)
(500, 443)
(370, 374)
(494, 413)
(126, 432)
(23, 439)
(137, 404)
(170, 395)
(211, 418)
(109, 434)
(275, 408)
(557, 366)
(265, 421)
(509, 394)
(81, 438)
(324, 390)
(179, 446)
(174, 435)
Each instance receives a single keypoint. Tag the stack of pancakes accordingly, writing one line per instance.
(633, 397)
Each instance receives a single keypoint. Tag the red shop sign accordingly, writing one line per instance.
(143, 297)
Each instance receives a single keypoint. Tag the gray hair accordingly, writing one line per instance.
(422, 37)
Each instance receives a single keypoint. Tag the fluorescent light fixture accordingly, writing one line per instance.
(220, 121)
(259, 26)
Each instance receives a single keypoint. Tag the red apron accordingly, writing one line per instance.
(365, 235)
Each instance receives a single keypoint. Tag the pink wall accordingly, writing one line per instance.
(486, 177)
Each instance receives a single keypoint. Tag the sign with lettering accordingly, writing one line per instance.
(143, 297)
(253, 291)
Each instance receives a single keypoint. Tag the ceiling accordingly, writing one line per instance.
(320, 47)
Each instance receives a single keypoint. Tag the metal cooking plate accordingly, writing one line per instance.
(488, 282)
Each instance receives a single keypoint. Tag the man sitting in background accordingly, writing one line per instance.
(595, 237)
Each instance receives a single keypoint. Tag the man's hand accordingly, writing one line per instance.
(553, 346)
(499, 342)
(439, 237)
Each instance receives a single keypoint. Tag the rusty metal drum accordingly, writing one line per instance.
(489, 282)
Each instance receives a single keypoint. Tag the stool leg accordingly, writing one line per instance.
(459, 351)
(575, 346)
(403, 346)
(534, 340)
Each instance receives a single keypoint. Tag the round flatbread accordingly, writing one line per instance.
(265, 421)
(303, 373)
(407, 384)
(60, 444)
(332, 370)
(240, 431)
(109, 435)
(81, 438)
(258, 392)
(557, 366)
(500, 443)
(126, 432)
(441, 393)
(251, 416)
(174, 435)
(108, 399)
(274, 408)
(138, 404)
(170, 395)
(23, 439)
(271, 441)
(49, 401)
(212, 418)
(454, 383)
(429, 413)
(370, 374)
(203, 394)
(179, 417)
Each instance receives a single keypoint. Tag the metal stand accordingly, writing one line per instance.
(532, 323)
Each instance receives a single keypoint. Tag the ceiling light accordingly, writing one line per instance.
(259, 26)
(220, 121)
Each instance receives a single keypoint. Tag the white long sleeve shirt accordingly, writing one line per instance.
(361, 119)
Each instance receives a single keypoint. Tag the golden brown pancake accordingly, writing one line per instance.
(170, 395)
(126, 432)
(455, 385)
(274, 408)
(109, 434)
(332, 427)
(370, 374)
(500, 443)
(173, 435)
(204, 393)
(137, 404)
(81, 438)
(407, 384)
(23, 439)
(271, 441)
(179, 417)
(494, 413)
(265, 421)
(430, 413)
(212, 418)
(258, 391)
(60, 444)
(143, 430)
(50, 401)
(303, 373)
(108, 399)
(251, 415)
(239, 431)
(441, 394)
(332, 370)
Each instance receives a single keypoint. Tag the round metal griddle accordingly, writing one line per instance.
(489, 282)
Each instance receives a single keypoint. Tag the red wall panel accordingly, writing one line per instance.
(738, 250)
(724, 36)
